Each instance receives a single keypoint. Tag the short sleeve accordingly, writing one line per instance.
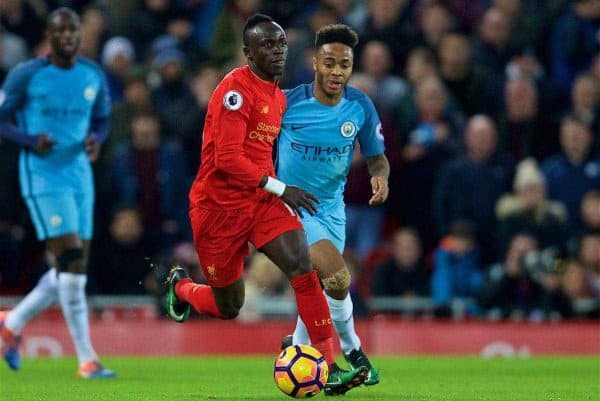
(370, 135)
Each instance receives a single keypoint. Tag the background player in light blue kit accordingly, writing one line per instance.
(320, 128)
(57, 108)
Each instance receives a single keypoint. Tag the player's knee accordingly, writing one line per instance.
(71, 261)
(337, 281)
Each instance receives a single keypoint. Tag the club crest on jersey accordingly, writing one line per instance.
(233, 100)
(89, 93)
(348, 129)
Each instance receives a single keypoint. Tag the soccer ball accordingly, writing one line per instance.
(300, 371)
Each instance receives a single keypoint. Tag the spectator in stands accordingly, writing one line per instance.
(404, 274)
(23, 19)
(148, 170)
(376, 62)
(456, 270)
(518, 288)
(264, 277)
(429, 136)
(227, 34)
(528, 210)
(469, 186)
(590, 212)
(389, 20)
(118, 263)
(202, 83)
(574, 282)
(575, 171)
(434, 22)
(136, 99)
(585, 103)
(574, 42)
(173, 98)
(465, 80)
(527, 19)
(13, 50)
(117, 59)
(524, 128)
(589, 256)
(94, 31)
(493, 48)
(150, 21)
(301, 36)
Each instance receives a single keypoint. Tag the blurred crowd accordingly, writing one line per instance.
(491, 117)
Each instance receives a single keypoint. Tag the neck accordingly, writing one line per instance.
(260, 74)
(454, 72)
(323, 97)
(61, 61)
(576, 158)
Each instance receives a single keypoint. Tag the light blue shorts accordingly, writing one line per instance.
(68, 212)
(329, 223)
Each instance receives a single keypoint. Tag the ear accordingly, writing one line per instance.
(314, 61)
(247, 52)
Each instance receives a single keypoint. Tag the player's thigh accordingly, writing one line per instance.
(85, 208)
(325, 227)
(278, 233)
(221, 241)
(53, 215)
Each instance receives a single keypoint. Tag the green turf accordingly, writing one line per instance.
(241, 378)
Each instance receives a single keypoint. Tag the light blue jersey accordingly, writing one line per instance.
(315, 150)
(62, 102)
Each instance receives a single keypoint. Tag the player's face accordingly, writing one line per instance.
(64, 35)
(333, 67)
(267, 50)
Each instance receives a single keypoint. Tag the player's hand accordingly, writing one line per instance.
(92, 147)
(380, 189)
(297, 198)
(44, 143)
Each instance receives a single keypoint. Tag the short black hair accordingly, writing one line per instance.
(252, 22)
(336, 33)
(62, 10)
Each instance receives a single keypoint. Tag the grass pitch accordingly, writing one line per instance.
(250, 378)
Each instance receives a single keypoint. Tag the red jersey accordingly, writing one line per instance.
(242, 123)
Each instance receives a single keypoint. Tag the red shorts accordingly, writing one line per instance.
(222, 237)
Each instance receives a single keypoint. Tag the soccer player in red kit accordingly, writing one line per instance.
(236, 199)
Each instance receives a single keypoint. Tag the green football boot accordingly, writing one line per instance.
(178, 310)
(357, 358)
(341, 381)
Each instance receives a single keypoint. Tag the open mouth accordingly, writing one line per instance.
(334, 85)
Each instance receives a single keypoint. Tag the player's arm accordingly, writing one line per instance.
(370, 138)
(99, 124)
(230, 157)
(12, 97)
(379, 170)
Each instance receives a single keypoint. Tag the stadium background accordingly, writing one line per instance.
(429, 66)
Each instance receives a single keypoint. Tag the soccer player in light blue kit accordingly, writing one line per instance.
(320, 128)
(57, 108)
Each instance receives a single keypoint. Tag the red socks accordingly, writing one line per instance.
(314, 312)
(199, 296)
